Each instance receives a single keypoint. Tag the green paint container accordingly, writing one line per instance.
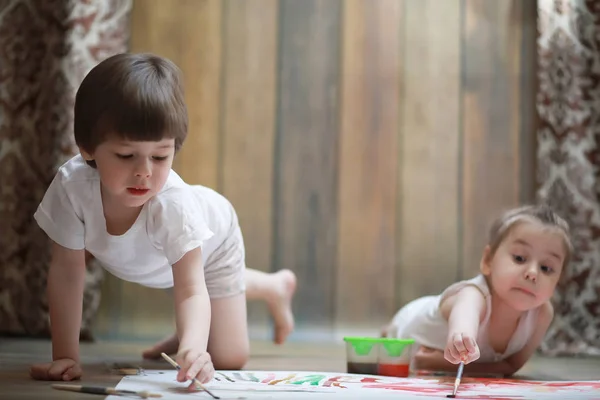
(378, 356)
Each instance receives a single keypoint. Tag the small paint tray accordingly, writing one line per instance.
(124, 368)
(378, 356)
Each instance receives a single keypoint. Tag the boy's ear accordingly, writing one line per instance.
(86, 156)
(486, 260)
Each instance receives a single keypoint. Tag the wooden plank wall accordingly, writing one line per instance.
(365, 144)
(368, 163)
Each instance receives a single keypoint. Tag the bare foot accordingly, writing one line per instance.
(280, 303)
(168, 346)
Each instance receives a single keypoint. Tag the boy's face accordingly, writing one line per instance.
(527, 266)
(132, 172)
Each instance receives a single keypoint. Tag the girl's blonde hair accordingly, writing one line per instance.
(542, 214)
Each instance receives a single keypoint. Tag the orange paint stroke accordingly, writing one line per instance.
(287, 378)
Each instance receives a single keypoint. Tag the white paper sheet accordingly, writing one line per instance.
(324, 385)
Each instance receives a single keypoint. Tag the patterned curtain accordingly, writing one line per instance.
(46, 48)
(569, 161)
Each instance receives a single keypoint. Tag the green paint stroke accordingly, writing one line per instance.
(249, 377)
(226, 377)
(313, 380)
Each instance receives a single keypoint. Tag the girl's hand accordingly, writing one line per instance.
(59, 370)
(461, 347)
(195, 364)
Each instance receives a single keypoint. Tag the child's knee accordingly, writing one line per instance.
(232, 359)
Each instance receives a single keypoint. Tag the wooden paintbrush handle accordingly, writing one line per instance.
(103, 390)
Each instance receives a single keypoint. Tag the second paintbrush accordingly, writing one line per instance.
(196, 381)
(104, 390)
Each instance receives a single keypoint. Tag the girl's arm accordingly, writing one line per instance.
(464, 311)
(542, 324)
(192, 314)
(433, 360)
(66, 278)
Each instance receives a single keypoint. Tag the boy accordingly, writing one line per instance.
(120, 200)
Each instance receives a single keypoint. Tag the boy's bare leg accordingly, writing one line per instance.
(169, 345)
(228, 342)
(276, 289)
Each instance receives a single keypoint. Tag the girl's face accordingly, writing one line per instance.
(132, 172)
(527, 265)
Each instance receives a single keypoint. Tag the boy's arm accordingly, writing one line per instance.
(66, 278)
(192, 304)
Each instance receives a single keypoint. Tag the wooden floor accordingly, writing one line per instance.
(16, 355)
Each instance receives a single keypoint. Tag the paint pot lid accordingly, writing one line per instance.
(395, 347)
(363, 345)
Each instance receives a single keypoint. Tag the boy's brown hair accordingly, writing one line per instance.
(131, 96)
(542, 214)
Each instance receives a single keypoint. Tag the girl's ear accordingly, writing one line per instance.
(86, 156)
(485, 265)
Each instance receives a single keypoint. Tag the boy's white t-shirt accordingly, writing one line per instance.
(178, 219)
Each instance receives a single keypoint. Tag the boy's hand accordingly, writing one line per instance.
(195, 364)
(461, 347)
(59, 370)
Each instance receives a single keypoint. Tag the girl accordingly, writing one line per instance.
(120, 200)
(498, 318)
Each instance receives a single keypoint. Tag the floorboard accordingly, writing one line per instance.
(16, 355)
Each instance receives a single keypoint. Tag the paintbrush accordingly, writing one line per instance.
(104, 390)
(196, 381)
(461, 366)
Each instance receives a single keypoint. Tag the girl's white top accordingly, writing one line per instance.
(421, 320)
(179, 218)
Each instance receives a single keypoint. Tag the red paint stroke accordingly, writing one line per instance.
(433, 391)
(488, 397)
(269, 378)
(370, 380)
(582, 384)
(552, 387)
(334, 381)
(486, 384)
(524, 383)
(405, 388)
